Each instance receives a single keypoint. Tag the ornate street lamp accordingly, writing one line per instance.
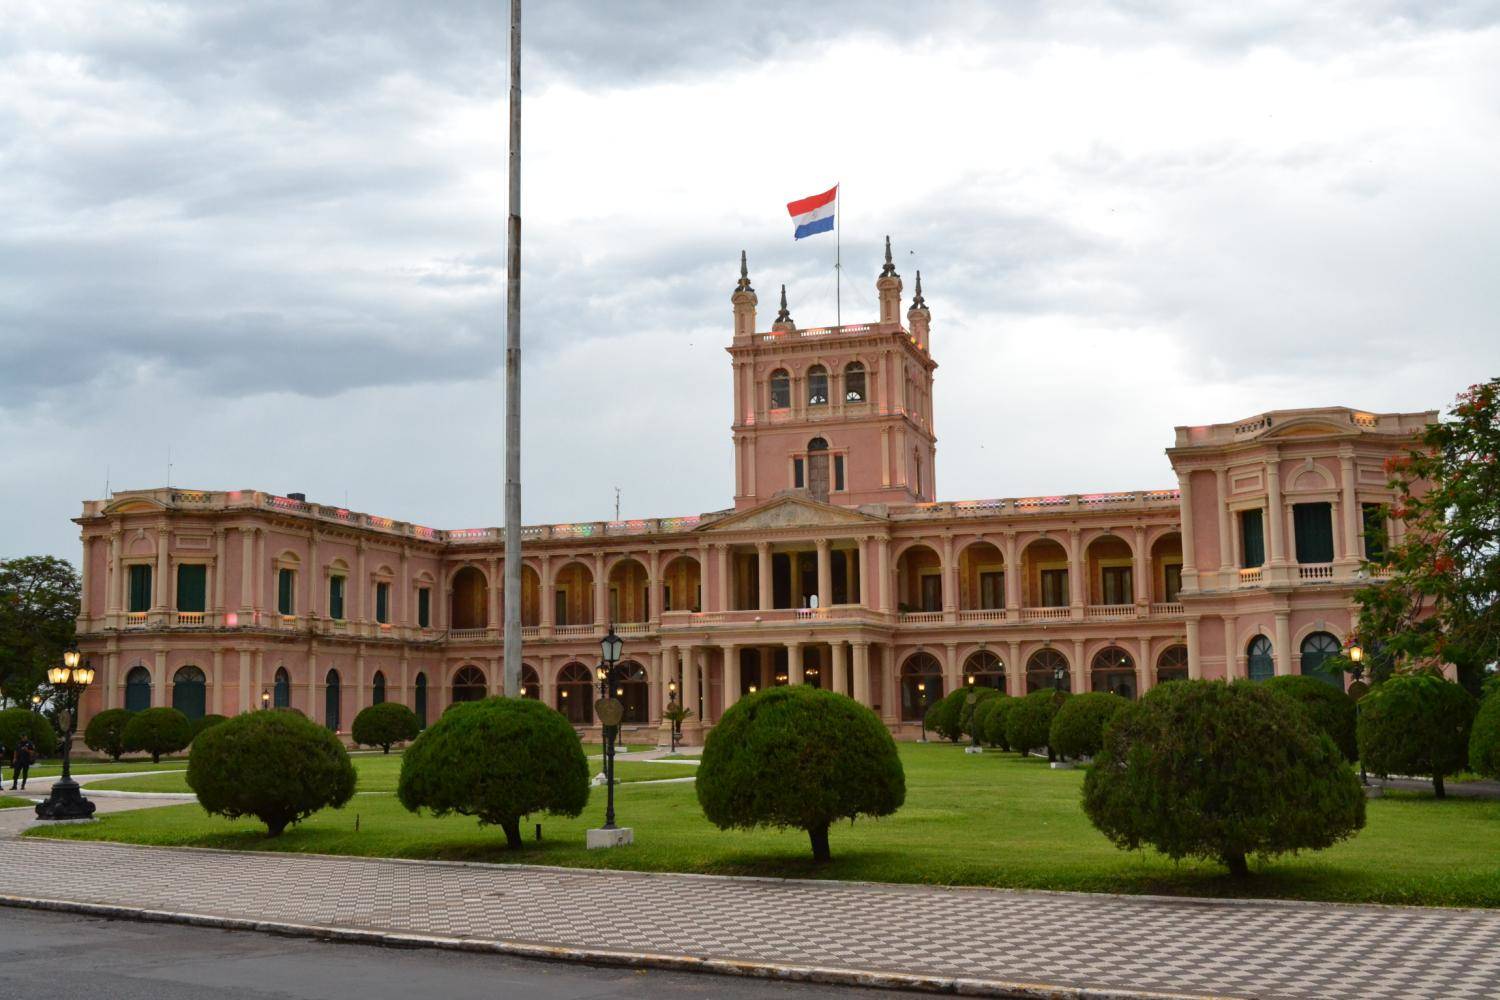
(610, 711)
(1058, 675)
(673, 706)
(265, 700)
(922, 708)
(36, 703)
(66, 802)
(972, 700)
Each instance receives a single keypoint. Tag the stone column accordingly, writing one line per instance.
(86, 575)
(359, 682)
(219, 604)
(250, 693)
(601, 591)
(1189, 557)
(1231, 647)
(162, 699)
(1141, 572)
(115, 576)
(112, 697)
(864, 572)
(763, 575)
(794, 662)
(405, 583)
(216, 679)
(653, 588)
(731, 675)
(952, 676)
(825, 574)
(159, 602)
(1195, 658)
(861, 691)
(262, 537)
(885, 576)
(1275, 529)
(1082, 677)
(1144, 674)
(1353, 515)
(840, 675)
(1227, 575)
(549, 602)
(1012, 578)
(950, 580)
(1078, 577)
(1015, 671)
(721, 553)
(692, 691)
(668, 674)
(314, 576)
(1283, 643)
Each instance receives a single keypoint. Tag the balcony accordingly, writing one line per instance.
(1252, 576)
(1315, 571)
(1167, 610)
(135, 619)
(982, 615)
(191, 619)
(467, 634)
(920, 618)
(772, 616)
(1110, 611)
(572, 631)
(632, 628)
(1046, 614)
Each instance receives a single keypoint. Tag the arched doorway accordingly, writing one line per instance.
(281, 689)
(137, 689)
(1113, 670)
(817, 461)
(921, 686)
(919, 580)
(1047, 668)
(575, 693)
(1172, 664)
(189, 689)
(1317, 649)
(531, 685)
(987, 669)
(634, 691)
(420, 698)
(377, 688)
(468, 684)
(331, 701)
(1262, 659)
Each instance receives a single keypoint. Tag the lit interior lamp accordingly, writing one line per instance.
(753, 689)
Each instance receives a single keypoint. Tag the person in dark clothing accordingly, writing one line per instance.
(20, 765)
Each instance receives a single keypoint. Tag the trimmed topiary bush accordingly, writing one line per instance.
(1331, 709)
(995, 720)
(275, 766)
(385, 724)
(1077, 729)
(1221, 771)
(207, 722)
(966, 712)
(157, 731)
(1484, 740)
(1415, 724)
(18, 722)
(497, 759)
(105, 732)
(798, 757)
(983, 721)
(1029, 723)
(943, 716)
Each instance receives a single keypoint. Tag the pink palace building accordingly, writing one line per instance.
(836, 565)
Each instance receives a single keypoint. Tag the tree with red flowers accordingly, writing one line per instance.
(1438, 598)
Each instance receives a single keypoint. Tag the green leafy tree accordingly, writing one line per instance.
(38, 614)
(1440, 602)
(18, 722)
(1028, 726)
(1331, 709)
(945, 716)
(1220, 771)
(498, 759)
(206, 722)
(1077, 730)
(995, 719)
(1484, 740)
(1416, 724)
(984, 716)
(384, 725)
(276, 766)
(967, 713)
(800, 758)
(157, 731)
(106, 732)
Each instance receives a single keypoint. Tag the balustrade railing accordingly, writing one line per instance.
(1110, 611)
(920, 617)
(463, 634)
(572, 631)
(1251, 575)
(982, 615)
(135, 619)
(1315, 571)
(1167, 609)
(191, 617)
(1045, 614)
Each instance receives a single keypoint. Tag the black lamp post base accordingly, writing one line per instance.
(65, 803)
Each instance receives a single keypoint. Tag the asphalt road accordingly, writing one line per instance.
(59, 956)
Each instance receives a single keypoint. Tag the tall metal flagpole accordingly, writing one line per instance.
(838, 255)
(512, 670)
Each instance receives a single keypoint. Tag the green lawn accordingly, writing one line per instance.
(11, 802)
(991, 819)
(53, 769)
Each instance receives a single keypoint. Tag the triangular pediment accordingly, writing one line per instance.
(791, 512)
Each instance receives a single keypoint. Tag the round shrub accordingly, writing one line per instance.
(983, 720)
(1077, 729)
(18, 722)
(105, 732)
(275, 766)
(944, 715)
(157, 731)
(1331, 709)
(207, 722)
(497, 759)
(996, 718)
(1484, 742)
(802, 758)
(1221, 771)
(384, 724)
(967, 712)
(1029, 724)
(1415, 724)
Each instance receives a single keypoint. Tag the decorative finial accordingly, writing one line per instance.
(917, 301)
(744, 283)
(783, 316)
(889, 271)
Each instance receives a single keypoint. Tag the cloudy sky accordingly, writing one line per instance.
(270, 235)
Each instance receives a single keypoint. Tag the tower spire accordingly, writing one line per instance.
(784, 317)
(917, 301)
(744, 282)
(889, 271)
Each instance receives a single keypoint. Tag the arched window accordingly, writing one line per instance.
(1047, 668)
(1262, 659)
(531, 686)
(921, 686)
(331, 701)
(634, 692)
(137, 689)
(817, 386)
(781, 389)
(281, 695)
(1113, 670)
(1172, 664)
(987, 669)
(377, 688)
(1317, 649)
(468, 684)
(854, 382)
(188, 689)
(817, 469)
(420, 708)
(575, 693)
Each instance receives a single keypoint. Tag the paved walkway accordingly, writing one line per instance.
(966, 940)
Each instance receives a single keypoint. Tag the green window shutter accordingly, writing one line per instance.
(382, 602)
(284, 581)
(140, 588)
(192, 588)
(1313, 524)
(424, 608)
(1252, 539)
(336, 598)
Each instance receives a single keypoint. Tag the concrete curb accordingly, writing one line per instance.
(823, 975)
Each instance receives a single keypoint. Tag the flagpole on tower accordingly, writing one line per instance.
(838, 256)
(511, 674)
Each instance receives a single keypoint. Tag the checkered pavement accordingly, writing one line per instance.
(1064, 941)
